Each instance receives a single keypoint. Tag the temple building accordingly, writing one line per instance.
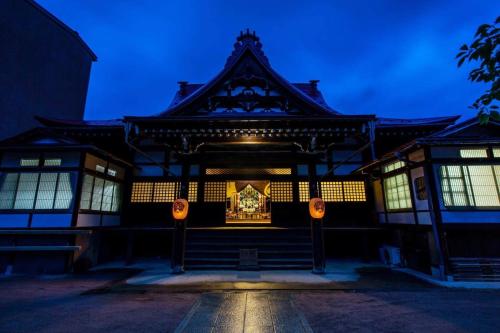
(248, 150)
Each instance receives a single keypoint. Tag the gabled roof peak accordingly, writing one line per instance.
(247, 40)
(248, 36)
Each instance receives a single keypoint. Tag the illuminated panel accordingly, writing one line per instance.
(354, 191)
(215, 192)
(8, 190)
(165, 192)
(332, 191)
(281, 192)
(397, 192)
(29, 162)
(26, 190)
(52, 162)
(304, 192)
(141, 192)
(249, 171)
(473, 153)
(193, 192)
(496, 152)
(484, 187)
(393, 166)
(46, 191)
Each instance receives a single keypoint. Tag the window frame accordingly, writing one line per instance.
(394, 173)
(105, 178)
(465, 183)
(73, 178)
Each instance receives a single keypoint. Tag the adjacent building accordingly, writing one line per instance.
(44, 67)
(249, 149)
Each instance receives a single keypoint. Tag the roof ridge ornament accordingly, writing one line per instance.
(247, 39)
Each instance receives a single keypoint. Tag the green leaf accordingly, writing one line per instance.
(495, 115)
(483, 119)
(460, 62)
(482, 29)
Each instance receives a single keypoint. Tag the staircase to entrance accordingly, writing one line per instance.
(270, 248)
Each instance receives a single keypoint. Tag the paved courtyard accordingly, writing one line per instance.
(380, 301)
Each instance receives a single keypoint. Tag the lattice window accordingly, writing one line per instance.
(393, 166)
(97, 194)
(26, 190)
(470, 185)
(249, 171)
(142, 192)
(304, 195)
(281, 192)
(107, 195)
(52, 162)
(354, 191)
(64, 193)
(215, 192)
(397, 192)
(88, 183)
(165, 191)
(36, 191)
(29, 162)
(474, 153)
(193, 192)
(46, 191)
(8, 190)
(332, 191)
(496, 152)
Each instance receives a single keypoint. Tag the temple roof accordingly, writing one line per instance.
(462, 133)
(55, 122)
(306, 88)
(399, 122)
(249, 48)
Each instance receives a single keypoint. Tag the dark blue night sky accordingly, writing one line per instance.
(390, 58)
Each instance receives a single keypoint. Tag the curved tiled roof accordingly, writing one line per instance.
(248, 44)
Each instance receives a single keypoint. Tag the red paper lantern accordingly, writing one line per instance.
(317, 208)
(180, 209)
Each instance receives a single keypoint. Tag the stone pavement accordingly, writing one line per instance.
(244, 312)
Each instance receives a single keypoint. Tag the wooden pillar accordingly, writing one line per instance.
(317, 236)
(435, 213)
(179, 233)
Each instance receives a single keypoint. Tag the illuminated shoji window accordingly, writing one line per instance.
(142, 192)
(52, 162)
(165, 191)
(193, 192)
(393, 166)
(249, 171)
(496, 152)
(36, 190)
(281, 192)
(354, 191)
(304, 192)
(397, 192)
(215, 192)
(29, 162)
(332, 191)
(474, 153)
(470, 185)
